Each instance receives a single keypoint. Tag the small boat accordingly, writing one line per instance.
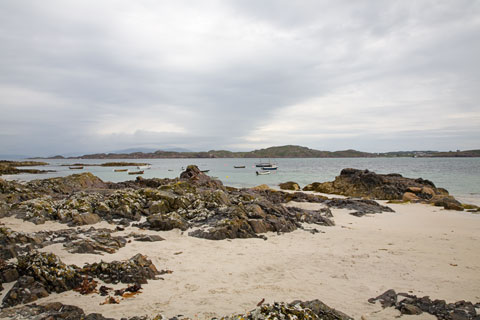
(239, 167)
(135, 172)
(205, 171)
(263, 164)
(170, 169)
(120, 170)
(272, 167)
(144, 167)
(76, 167)
(262, 173)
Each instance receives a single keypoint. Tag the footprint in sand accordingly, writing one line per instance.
(191, 287)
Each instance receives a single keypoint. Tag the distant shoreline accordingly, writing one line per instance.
(288, 151)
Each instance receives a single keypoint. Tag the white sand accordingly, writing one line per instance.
(419, 249)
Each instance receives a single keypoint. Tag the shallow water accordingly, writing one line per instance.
(460, 176)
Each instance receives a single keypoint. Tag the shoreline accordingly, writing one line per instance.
(419, 248)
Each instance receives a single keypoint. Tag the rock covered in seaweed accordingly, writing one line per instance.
(393, 186)
(308, 310)
(49, 270)
(137, 269)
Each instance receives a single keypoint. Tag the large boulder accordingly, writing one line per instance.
(194, 175)
(393, 186)
(290, 185)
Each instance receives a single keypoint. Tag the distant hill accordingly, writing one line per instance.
(288, 151)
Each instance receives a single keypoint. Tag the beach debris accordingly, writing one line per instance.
(87, 286)
(411, 304)
(110, 300)
(103, 290)
(177, 253)
(129, 291)
(165, 271)
(261, 302)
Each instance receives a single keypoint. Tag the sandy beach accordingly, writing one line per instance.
(419, 249)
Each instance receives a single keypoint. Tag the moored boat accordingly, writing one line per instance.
(270, 168)
(144, 167)
(239, 167)
(120, 170)
(262, 173)
(76, 167)
(135, 172)
(263, 164)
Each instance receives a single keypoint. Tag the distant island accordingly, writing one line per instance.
(288, 151)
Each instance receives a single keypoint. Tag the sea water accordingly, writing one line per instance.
(460, 176)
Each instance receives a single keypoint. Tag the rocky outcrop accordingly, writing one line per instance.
(308, 310)
(413, 305)
(137, 269)
(370, 185)
(194, 175)
(54, 310)
(313, 310)
(25, 290)
(49, 270)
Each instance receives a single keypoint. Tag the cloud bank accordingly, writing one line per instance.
(89, 76)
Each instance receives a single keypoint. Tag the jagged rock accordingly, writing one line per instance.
(364, 183)
(290, 185)
(308, 310)
(194, 175)
(54, 310)
(367, 184)
(24, 291)
(137, 269)
(411, 304)
(165, 222)
(49, 270)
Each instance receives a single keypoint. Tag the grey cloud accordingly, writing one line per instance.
(84, 57)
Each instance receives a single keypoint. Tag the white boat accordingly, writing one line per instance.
(144, 167)
(262, 173)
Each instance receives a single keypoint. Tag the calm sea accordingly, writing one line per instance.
(460, 176)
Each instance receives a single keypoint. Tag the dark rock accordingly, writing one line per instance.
(24, 291)
(387, 299)
(148, 238)
(50, 311)
(194, 175)
(364, 183)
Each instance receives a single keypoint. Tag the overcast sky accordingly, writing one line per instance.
(94, 76)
